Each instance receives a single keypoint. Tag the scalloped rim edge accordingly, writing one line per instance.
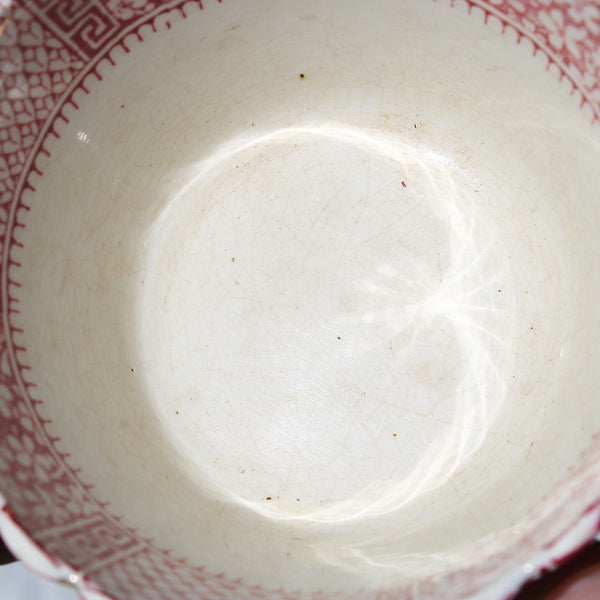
(40, 562)
(37, 560)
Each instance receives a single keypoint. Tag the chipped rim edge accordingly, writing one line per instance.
(26, 550)
(586, 529)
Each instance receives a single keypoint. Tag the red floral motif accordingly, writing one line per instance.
(36, 69)
(569, 30)
(44, 46)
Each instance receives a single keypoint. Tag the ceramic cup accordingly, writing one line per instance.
(299, 300)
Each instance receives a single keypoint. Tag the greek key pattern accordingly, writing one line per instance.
(87, 26)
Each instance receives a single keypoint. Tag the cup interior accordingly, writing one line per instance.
(309, 294)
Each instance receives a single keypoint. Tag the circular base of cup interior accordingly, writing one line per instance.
(320, 331)
(332, 314)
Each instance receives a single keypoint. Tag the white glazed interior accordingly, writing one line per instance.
(310, 293)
